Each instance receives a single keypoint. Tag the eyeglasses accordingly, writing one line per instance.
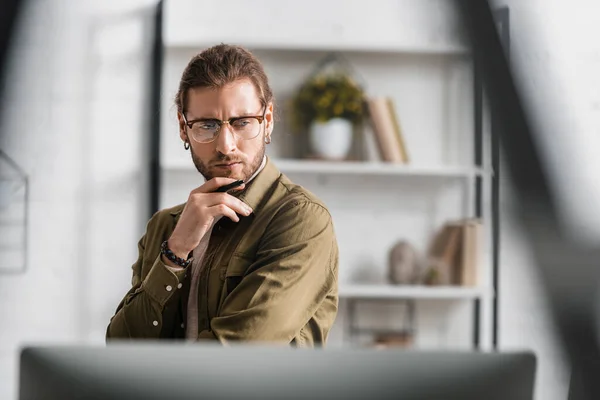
(206, 130)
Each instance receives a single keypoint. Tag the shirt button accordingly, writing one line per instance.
(169, 288)
(155, 323)
(179, 285)
(183, 325)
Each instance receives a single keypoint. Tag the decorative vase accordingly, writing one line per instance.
(403, 268)
(332, 139)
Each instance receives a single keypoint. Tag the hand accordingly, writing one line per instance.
(203, 209)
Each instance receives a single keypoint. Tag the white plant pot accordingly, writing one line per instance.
(331, 139)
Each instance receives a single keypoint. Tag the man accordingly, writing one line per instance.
(256, 263)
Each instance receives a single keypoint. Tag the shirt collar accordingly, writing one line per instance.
(258, 188)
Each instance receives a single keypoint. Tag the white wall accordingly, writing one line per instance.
(85, 85)
(73, 116)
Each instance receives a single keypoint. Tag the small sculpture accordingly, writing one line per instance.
(403, 268)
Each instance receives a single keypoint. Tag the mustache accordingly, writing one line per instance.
(226, 160)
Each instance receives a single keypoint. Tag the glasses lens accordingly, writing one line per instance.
(205, 131)
(246, 128)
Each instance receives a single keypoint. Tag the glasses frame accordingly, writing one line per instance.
(259, 118)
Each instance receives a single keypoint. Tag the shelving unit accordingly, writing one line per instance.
(408, 295)
(477, 180)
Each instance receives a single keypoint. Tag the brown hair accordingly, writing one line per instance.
(219, 65)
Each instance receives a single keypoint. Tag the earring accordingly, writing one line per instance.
(186, 145)
(267, 139)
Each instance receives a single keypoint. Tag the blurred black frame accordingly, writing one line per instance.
(568, 269)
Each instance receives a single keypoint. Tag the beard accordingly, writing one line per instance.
(249, 167)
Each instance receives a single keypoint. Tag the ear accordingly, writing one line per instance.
(182, 130)
(269, 120)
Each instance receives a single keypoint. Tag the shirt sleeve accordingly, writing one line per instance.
(293, 273)
(139, 314)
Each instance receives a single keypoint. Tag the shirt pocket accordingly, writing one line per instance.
(233, 273)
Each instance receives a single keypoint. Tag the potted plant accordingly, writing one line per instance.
(328, 106)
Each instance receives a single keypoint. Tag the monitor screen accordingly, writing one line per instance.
(193, 371)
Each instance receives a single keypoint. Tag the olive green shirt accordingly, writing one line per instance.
(271, 277)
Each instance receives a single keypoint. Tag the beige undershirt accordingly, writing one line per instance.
(191, 327)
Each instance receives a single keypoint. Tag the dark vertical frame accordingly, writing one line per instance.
(502, 21)
(502, 18)
(154, 114)
(9, 23)
(478, 152)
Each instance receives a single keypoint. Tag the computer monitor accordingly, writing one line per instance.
(194, 371)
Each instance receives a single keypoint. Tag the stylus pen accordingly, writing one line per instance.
(230, 186)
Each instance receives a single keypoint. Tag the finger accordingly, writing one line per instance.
(213, 184)
(229, 187)
(237, 205)
(223, 210)
(232, 202)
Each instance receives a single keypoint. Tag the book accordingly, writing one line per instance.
(398, 131)
(471, 252)
(444, 255)
(455, 254)
(383, 129)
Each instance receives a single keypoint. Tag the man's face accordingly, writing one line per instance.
(228, 155)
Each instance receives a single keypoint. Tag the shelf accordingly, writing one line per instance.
(374, 168)
(284, 46)
(356, 168)
(390, 292)
(416, 27)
